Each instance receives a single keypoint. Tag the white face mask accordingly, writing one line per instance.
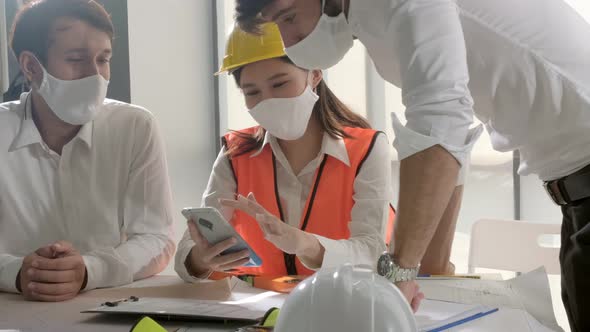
(326, 45)
(76, 102)
(286, 118)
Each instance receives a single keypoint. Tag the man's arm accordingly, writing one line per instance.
(428, 180)
(436, 140)
(436, 260)
(148, 243)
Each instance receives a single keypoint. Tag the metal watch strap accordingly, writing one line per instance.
(401, 274)
(393, 272)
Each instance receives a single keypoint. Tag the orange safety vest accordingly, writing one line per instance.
(328, 208)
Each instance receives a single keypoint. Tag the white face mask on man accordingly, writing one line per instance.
(286, 118)
(326, 45)
(76, 102)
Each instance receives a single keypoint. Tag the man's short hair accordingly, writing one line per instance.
(30, 31)
(248, 14)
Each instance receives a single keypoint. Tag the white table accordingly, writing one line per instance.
(15, 313)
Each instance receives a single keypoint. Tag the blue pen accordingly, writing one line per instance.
(463, 321)
(449, 276)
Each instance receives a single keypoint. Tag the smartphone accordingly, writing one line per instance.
(215, 229)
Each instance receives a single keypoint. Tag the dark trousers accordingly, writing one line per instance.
(575, 264)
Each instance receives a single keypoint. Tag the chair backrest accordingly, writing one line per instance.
(513, 246)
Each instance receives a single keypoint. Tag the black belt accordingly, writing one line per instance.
(571, 188)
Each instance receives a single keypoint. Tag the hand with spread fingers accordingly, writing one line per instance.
(205, 258)
(52, 274)
(287, 238)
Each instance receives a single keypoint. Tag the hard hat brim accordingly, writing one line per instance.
(233, 67)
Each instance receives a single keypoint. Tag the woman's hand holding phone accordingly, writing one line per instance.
(206, 258)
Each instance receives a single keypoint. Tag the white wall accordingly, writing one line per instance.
(582, 7)
(4, 79)
(171, 64)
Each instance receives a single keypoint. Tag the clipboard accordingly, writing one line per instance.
(179, 309)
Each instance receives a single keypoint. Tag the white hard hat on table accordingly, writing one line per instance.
(347, 299)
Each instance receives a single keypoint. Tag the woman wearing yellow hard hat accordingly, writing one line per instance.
(308, 187)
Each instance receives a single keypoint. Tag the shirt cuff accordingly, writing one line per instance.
(94, 268)
(333, 254)
(408, 142)
(464, 171)
(104, 270)
(180, 266)
(8, 273)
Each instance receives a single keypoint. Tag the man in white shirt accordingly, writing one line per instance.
(85, 200)
(521, 66)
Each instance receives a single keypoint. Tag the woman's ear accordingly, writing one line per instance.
(30, 67)
(316, 77)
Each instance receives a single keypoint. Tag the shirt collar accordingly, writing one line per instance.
(85, 134)
(267, 138)
(334, 147)
(29, 134)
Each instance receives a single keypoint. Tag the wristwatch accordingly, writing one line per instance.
(387, 268)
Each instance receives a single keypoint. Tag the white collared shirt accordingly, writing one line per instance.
(372, 195)
(523, 66)
(108, 194)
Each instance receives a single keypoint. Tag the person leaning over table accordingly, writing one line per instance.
(520, 66)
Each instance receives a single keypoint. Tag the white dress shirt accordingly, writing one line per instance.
(372, 195)
(108, 194)
(525, 62)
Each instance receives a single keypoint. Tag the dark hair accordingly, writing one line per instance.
(332, 113)
(248, 14)
(30, 31)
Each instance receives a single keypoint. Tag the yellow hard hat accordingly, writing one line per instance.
(244, 48)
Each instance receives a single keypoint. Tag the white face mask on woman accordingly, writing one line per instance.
(326, 45)
(76, 102)
(286, 118)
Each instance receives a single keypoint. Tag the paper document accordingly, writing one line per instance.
(529, 292)
(169, 288)
(253, 298)
(243, 302)
(182, 309)
(434, 314)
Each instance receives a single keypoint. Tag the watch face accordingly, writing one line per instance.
(384, 265)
